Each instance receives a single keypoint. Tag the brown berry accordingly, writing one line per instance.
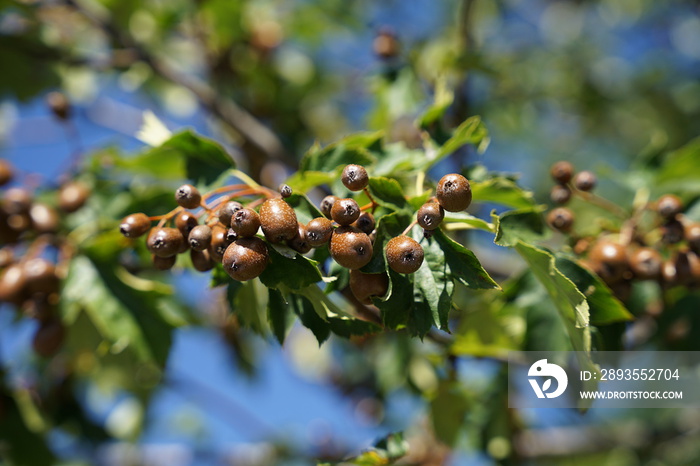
(646, 263)
(59, 105)
(201, 260)
(72, 196)
(319, 231)
(285, 190)
(669, 205)
(692, 236)
(404, 254)
(609, 260)
(562, 172)
(245, 223)
(135, 225)
(430, 215)
(219, 243)
(327, 205)
(185, 222)
(365, 222)
(345, 211)
(227, 211)
(245, 258)
(454, 192)
(300, 242)
(687, 268)
(44, 218)
(350, 247)
(188, 196)
(672, 231)
(355, 177)
(40, 276)
(364, 286)
(585, 181)
(560, 194)
(38, 307)
(7, 172)
(49, 338)
(163, 263)
(561, 219)
(7, 257)
(165, 242)
(385, 44)
(16, 201)
(13, 284)
(200, 238)
(278, 221)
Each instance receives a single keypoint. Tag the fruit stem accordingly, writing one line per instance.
(169, 215)
(374, 204)
(410, 227)
(599, 201)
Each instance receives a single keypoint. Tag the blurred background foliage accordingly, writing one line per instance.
(611, 85)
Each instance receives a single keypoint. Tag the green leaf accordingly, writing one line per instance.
(304, 181)
(124, 315)
(434, 280)
(487, 332)
(469, 220)
(471, 131)
(184, 155)
(250, 300)
(294, 273)
(279, 315)
(304, 208)
(352, 149)
(605, 308)
(386, 451)
(21, 445)
(504, 191)
(388, 193)
(350, 327)
(679, 171)
(526, 225)
(464, 266)
(309, 317)
(398, 305)
(448, 410)
(441, 102)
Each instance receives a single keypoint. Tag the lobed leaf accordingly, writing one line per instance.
(464, 266)
(526, 225)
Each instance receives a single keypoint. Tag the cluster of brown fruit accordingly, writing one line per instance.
(667, 251)
(229, 231)
(28, 280)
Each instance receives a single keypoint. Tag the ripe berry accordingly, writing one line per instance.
(365, 222)
(319, 231)
(38, 307)
(561, 219)
(285, 190)
(562, 172)
(16, 201)
(188, 196)
(345, 211)
(560, 194)
(454, 192)
(355, 177)
(278, 221)
(609, 260)
(200, 238)
(692, 236)
(19, 222)
(163, 263)
(385, 45)
(185, 222)
(201, 260)
(366, 285)
(350, 247)
(245, 258)
(404, 254)
(48, 338)
(72, 196)
(669, 273)
(164, 242)
(219, 243)
(40, 276)
(245, 223)
(687, 267)
(646, 263)
(44, 218)
(7, 257)
(669, 205)
(227, 211)
(59, 105)
(12, 284)
(430, 215)
(672, 232)
(300, 242)
(585, 181)
(231, 235)
(7, 172)
(327, 205)
(135, 225)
